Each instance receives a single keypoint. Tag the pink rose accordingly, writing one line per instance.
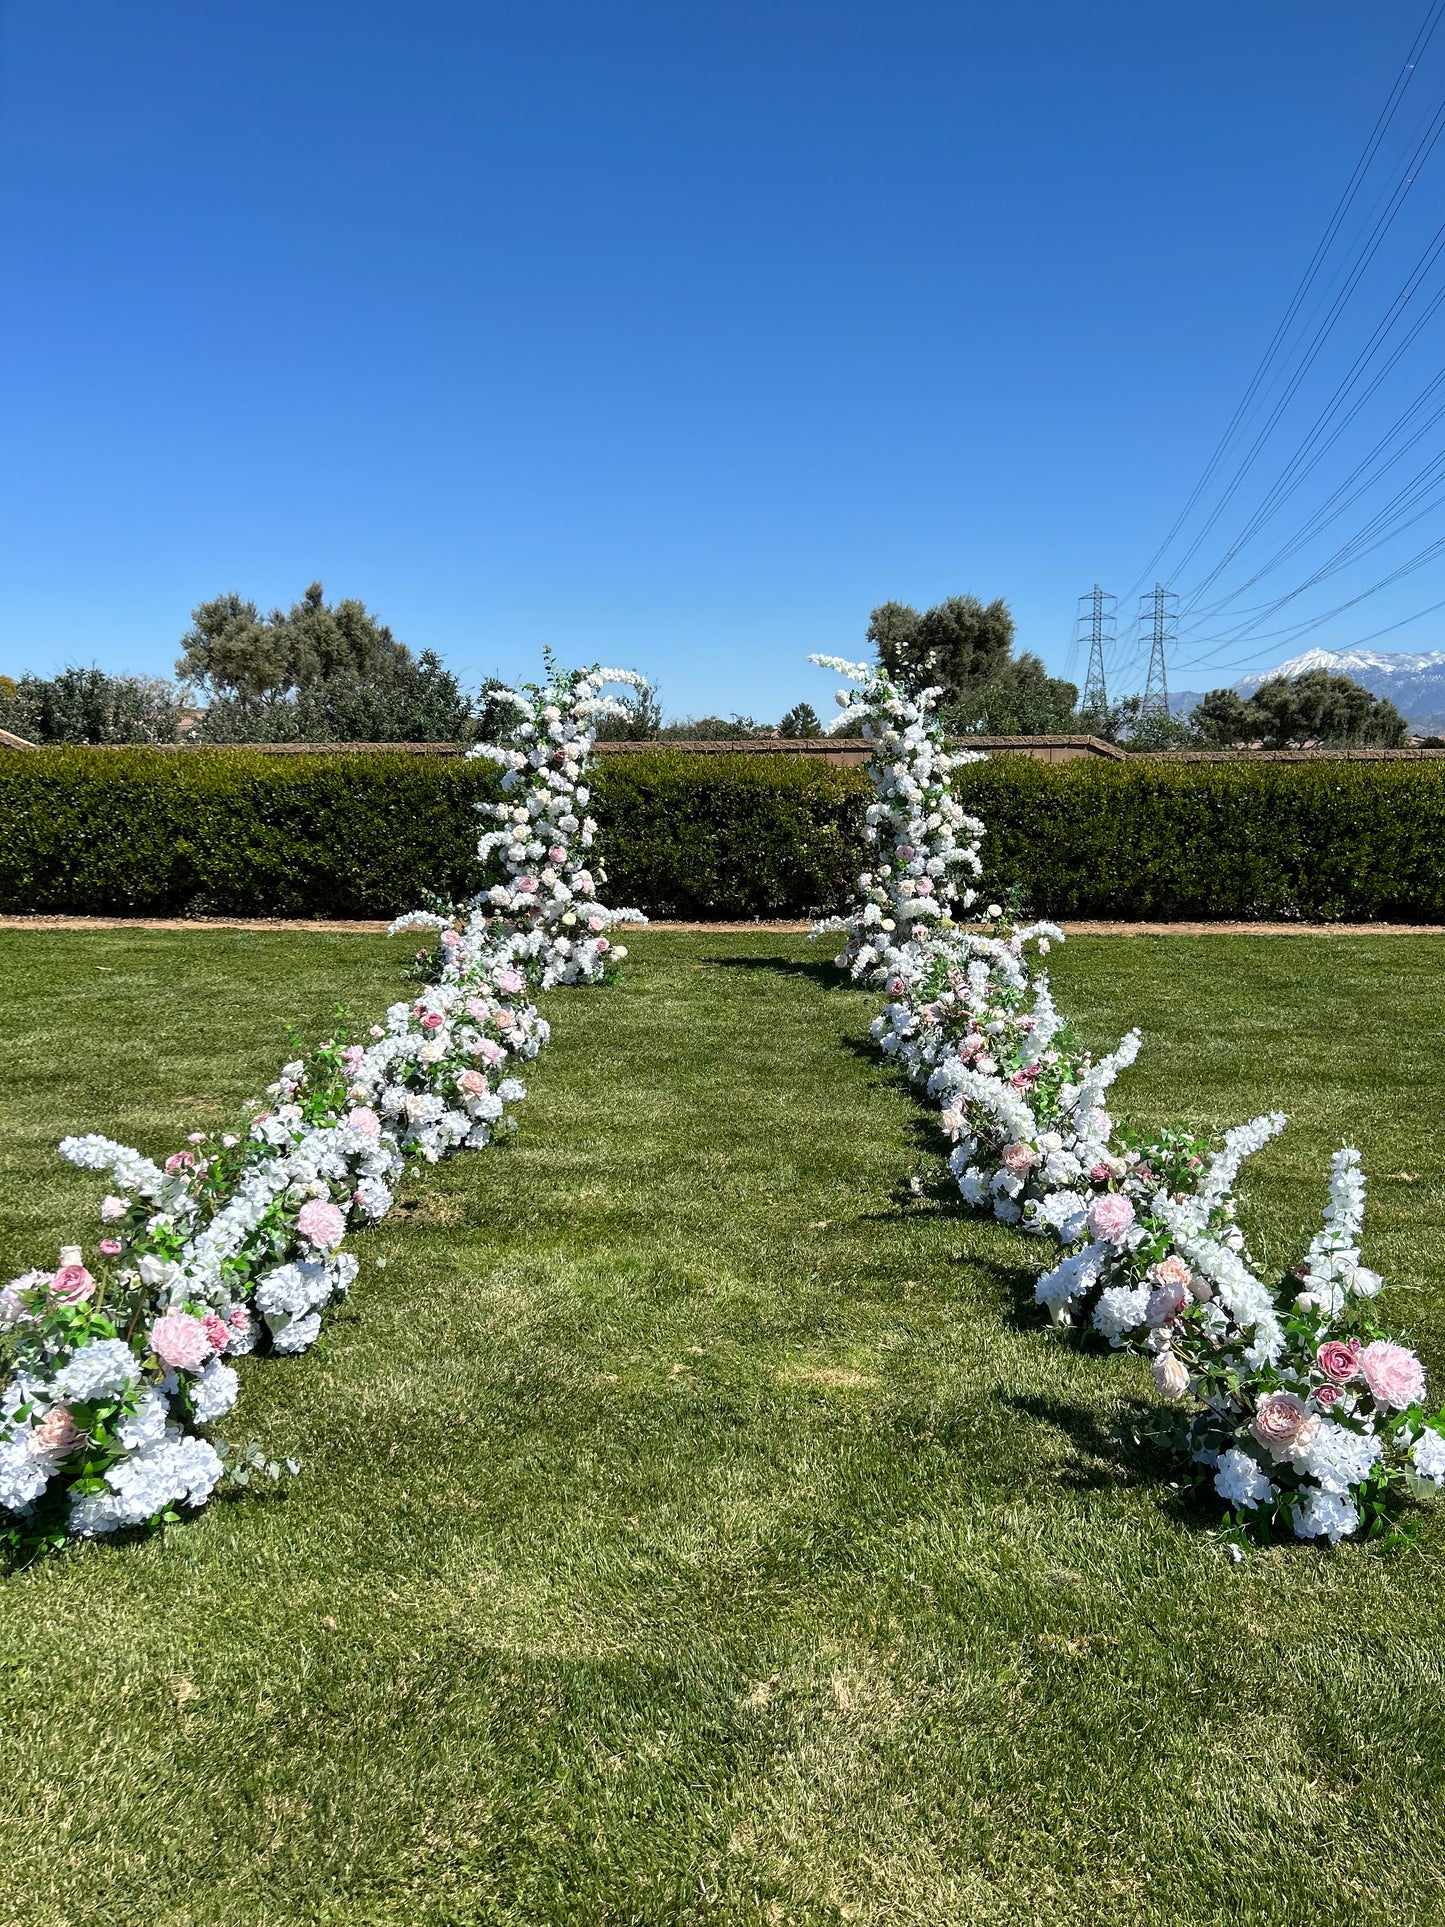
(217, 1330)
(1283, 1423)
(1326, 1395)
(321, 1223)
(181, 1342)
(362, 1118)
(471, 1083)
(1393, 1374)
(110, 1247)
(1171, 1375)
(1165, 1302)
(1019, 1157)
(179, 1161)
(1339, 1359)
(557, 853)
(195, 1137)
(1110, 1217)
(1171, 1271)
(57, 1435)
(72, 1285)
(923, 887)
(450, 939)
(1100, 1173)
(602, 945)
(596, 923)
(433, 1020)
(527, 884)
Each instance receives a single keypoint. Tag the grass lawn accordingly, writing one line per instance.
(698, 1525)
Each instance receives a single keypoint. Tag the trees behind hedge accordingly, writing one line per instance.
(965, 647)
(1314, 707)
(85, 705)
(316, 673)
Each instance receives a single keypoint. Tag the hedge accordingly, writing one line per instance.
(239, 833)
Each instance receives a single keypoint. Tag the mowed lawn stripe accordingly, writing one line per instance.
(696, 1522)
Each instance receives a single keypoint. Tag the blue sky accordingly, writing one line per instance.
(674, 335)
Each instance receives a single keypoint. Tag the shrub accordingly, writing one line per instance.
(239, 833)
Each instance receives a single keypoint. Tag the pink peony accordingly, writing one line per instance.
(596, 923)
(450, 940)
(112, 1208)
(181, 1342)
(527, 884)
(478, 1009)
(321, 1223)
(510, 981)
(1393, 1374)
(110, 1247)
(1019, 1157)
(471, 1083)
(1339, 1359)
(1110, 1217)
(362, 1118)
(217, 1330)
(57, 1435)
(72, 1285)
(1283, 1423)
(489, 1050)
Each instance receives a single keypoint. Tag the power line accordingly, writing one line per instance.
(1342, 208)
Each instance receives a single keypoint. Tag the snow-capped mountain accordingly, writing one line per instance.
(1413, 682)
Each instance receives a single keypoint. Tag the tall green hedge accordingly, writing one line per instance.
(235, 832)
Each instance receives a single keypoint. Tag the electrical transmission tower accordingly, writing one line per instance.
(1160, 610)
(1096, 616)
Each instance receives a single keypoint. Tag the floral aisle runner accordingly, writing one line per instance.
(114, 1365)
(1305, 1414)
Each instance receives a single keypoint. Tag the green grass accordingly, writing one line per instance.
(697, 1525)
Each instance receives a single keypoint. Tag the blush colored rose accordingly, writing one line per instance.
(362, 1118)
(1165, 1302)
(110, 1247)
(471, 1083)
(72, 1285)
(1110, 1217)
(1282, 1423)
(181, 1342)
(1171, 1271)
(504, 1020)
(321, 1223)
(1339, 1359)
(57, 1435)
(1393, 1374)
(1170, 1375)
(1019, 1157)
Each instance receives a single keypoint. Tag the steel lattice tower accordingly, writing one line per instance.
(1099, 621)
(1160, 609)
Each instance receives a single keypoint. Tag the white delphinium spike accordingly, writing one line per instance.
(1239, 1143)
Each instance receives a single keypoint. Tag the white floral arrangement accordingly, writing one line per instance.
(1310, 1418)
(109, 1376)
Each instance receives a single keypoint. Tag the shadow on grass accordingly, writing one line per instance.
(1137, 1444)
(826, 974)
